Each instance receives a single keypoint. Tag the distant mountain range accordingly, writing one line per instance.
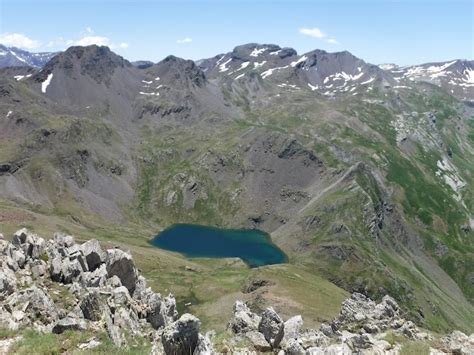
(15, 57)
(456, 76)
(361, 173)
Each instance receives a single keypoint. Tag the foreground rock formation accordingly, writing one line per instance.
(361, 327)
(107, 293)
(101, 290)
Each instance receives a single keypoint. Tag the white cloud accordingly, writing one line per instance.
(89, 40)
(317, 33)
(19, 40)
(313, 32)
(184, 40)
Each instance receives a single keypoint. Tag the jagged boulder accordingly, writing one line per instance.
(31, 244)
(120, 264)
(258, 341)
(459, 343)
(93, 253)
(293, 327)
(35, 303)
(272, 327)
(293, 347)
(312, 338)
(96, 278)
(65, 270)
(69, 323)
(92, 306)
(181, 337)
(63, 240)
(243, 320)
(8, 282)
(204, 346)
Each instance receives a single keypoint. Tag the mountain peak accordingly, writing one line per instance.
(98, 62)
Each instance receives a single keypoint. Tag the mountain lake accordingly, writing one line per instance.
(253, 246)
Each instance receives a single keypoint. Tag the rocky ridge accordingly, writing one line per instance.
(105, 292)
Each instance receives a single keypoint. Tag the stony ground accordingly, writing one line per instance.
(95, 300)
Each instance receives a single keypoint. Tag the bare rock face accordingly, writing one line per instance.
(258, 341)
(181, 337)
(101, 286)
(244, 320)
(120, 264)
(93, 253)
(204, 346)
(459, 343)
(272, 327)
(105, 292)
(69, 323)
(293, 327)
(92, 306)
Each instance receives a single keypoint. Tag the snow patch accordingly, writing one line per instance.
(270, 71)
(295, 63)
(256, 52)
(149, 93)
(367, 81)
(222, 67)
(258, 65)
(239, 76)
(147, 82)
(45, 84)
(9, 113)
(312, 87)
(19, 77)
(469, 73)
(243, 65)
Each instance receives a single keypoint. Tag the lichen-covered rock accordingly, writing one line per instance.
(69, 323)
(459, 343)
(120, 264)
(258, 341)
(93, 253)
(272, 327)
(293, 327)
(204, 346)
(92, 306)
(243, 320)
(181, 337)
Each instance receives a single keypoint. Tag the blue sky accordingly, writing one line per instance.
(403, 32)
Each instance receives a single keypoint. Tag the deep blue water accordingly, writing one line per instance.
(254, 247)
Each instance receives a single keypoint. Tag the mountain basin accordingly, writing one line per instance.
(253, 246)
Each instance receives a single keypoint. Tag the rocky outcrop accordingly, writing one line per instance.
(360, 328)
(101, 290)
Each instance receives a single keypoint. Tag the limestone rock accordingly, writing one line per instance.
(204, 346)
(459, 343)
(272, 327)
(293, 327)
(258, 341)
(244, 320)
(92, 306)
(181, 337)
(120, 264)
(93, 253)
(69, 323)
